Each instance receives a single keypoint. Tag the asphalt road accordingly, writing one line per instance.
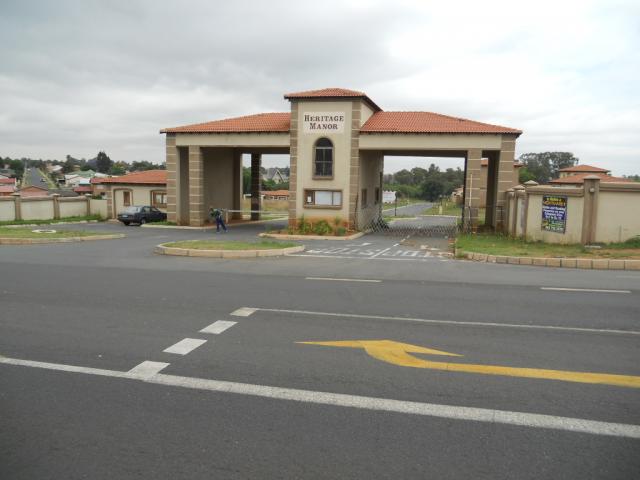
(252, 401)
(34, 177)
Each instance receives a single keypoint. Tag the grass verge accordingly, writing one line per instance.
(502, 245)
(229, 245)
(52, 222)
(28, 233)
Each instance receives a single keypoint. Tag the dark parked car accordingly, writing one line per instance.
(141, 214)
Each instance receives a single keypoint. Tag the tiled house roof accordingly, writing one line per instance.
(152, 177)
(427, 122)
(584, 168)
(578, 179)
(332, 93)
(258, 123)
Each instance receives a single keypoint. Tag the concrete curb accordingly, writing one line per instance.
(49, 224)
(39, 241)
(580, 263)
(193, 252)
(286, 236)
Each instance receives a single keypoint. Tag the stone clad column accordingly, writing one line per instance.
(172, 160)
(256, 184)
(473, 166)
(354, 169)
(505, 176)
(293, 166)
(196, 187)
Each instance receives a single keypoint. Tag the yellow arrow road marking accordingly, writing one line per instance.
(397, 353)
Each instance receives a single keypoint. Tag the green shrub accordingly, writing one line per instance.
(341, 231)
(304, 227)
(322, 228)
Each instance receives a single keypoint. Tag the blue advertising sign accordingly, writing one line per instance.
(554, 213)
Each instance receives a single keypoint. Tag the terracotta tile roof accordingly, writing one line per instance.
(260, 123)
(95, 180)
(7, 189)
(427, 122)
(156, 177)
(583, 168)
(332, 93)
(82, 189)
(578, 179)
(7, 181)
(276, 193)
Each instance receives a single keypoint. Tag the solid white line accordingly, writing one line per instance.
(147, 369)
(218, 327)
(185, 346)
(330, 279)
(453, 322)
(594, 290)
(485, 415)
(342, 257)
(243, 312)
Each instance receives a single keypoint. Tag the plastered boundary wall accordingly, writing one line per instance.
(49, 208)
(596, 212)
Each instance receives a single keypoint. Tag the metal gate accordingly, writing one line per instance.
(385, 222)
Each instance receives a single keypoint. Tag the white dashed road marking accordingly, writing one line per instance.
(218, 327)
(593, 290)
(243, 312)
(185, 346)
(147, 369)
(532, 420)
(343, 279)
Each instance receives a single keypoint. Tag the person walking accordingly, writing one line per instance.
(216, 214)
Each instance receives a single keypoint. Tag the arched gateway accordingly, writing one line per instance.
(337, 140)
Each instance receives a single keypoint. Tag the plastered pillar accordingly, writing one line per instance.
(590, 209)
(56, 206)
(17, 205)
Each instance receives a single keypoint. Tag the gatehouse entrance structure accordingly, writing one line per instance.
(337, 140)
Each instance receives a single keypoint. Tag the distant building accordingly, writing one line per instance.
(275, 195)
(276, 175)
(575, 176)
(578, 169)
(148, 187)
(34, 191)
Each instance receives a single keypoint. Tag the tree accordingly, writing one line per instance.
(403, 177)
(246, 180)
(525, 175)
(544, 166)
(103, 163)
(432, 189)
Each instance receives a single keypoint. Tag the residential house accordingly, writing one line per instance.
(147, 187)
(275, 195)
(34, 191)
(275, 174)
(574, 176)
(7, 186)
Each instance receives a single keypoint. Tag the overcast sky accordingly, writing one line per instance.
(81, 76)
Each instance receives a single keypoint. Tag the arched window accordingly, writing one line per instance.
(323, 163)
